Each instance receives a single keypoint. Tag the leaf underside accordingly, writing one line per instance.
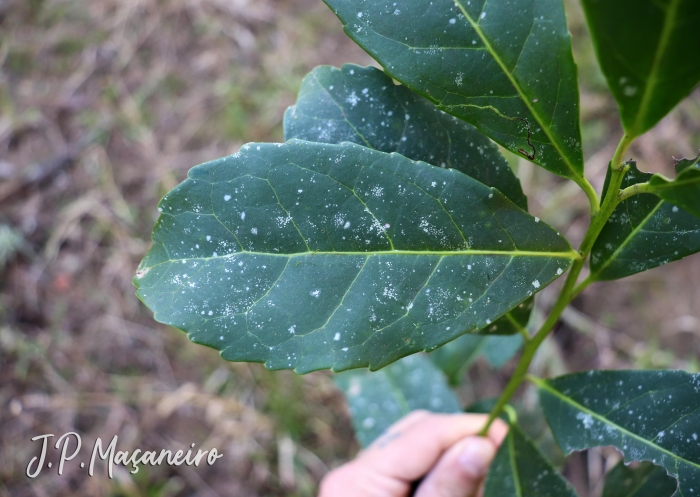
(647, 415)
(684, 191)
(379, 399)
(502, 65)
(519, 469)
(363, 105)
(643, 232)
(642, 480)
(643, 47)
(310, 256)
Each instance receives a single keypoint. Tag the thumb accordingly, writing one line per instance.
(460, 470)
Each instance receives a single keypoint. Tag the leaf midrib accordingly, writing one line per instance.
(516, 85)
(545, 386)
(650, 86)
(635, 231)
(511, 253)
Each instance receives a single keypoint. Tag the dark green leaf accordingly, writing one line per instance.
(379, 399)
(498, 350)
(520, 470)
(643, 232)
(364, 106)
(455, 357)
(309, 256)
(647, 415)
(684, 191)
(642, 480)
(644, 51)
(503, 65)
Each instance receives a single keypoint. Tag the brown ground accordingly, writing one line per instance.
(104, 105)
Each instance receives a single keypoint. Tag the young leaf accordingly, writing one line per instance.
(379, 399)
(684, 191)
(519, 469)
(504, 65)
(363, 105)
(643, 480)
(642, 46)
(310, 256)
(643, 232)
(454, 357)
(647, 415)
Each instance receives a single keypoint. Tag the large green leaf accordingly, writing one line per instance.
(379, 399)
(363, 105)
(643, 232)
(644, 49)
(520, 470)
(503, 65)
(309, 256)
(647, 415)
(684, 191)
(643, 480)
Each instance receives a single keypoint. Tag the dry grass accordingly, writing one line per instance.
(104, 105)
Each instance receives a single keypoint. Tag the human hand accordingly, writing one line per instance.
(443, 449)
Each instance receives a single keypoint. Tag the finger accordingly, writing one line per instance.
(410, 453)
(460, 471)
(353, 480)
(498, 431)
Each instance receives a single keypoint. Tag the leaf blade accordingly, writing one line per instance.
(643, 232)
(502, 94)
(519, 469)
(261, 254)
(378, 399)
(641, 47)
(363, 105)
(684, 191)
(647, 415)
(643, 480)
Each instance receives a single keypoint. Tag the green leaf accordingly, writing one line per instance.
(642, 480)
(363, 105)
(310, 256)
(379, 399)
(647, 415)
(684, 191)
(455, 357)
(644, 51)
(520, 470)
(503, 65)
(643, 232)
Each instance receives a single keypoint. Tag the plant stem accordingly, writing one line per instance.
(617, 159)
(568, 292)
(634, 189)
(591, 194)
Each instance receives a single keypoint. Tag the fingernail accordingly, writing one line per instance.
(476, 456)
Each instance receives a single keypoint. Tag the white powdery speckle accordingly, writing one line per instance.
(227, 198)
(337, 336)
(242, 216)
(536, 283)
(315, 293)
(586, 419)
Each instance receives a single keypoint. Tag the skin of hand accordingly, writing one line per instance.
(443, 449)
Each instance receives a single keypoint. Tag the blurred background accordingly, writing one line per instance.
(104, 106)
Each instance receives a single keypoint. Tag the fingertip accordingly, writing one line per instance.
(498, 431)
(476, 455)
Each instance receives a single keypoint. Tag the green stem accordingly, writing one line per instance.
(567, 294)
(634, 189)
(591, 194)
(622, 147)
